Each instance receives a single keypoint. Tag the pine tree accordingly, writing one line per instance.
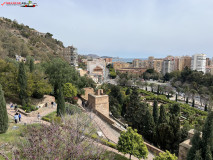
(3, 113)
(22, 80)
(60, 103)
(155, 111)
(31, 65)
(162, 117)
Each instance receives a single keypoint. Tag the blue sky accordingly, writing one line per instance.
(124, 28)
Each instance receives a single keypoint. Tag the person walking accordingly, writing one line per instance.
(39, 117)
(11, 106)
(16, 118)
(19, 116)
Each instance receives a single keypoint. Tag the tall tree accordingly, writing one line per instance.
(133, 105)
(207, 134)
(60, 102)
(208, 153)
(128, 91)
(162, 117)
(22, 80)
(60, 72)
(149, 127)
(198, 155)
(174, 123)
(196, 145)
(155, 111)
(130, 142)
(31, 65)
(3, 111)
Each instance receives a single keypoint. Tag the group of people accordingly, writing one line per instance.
(17, 117)
(13, 106)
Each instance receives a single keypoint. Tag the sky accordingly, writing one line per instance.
(123, 28)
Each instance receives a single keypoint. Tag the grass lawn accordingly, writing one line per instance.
(11, 136)
(13, 132)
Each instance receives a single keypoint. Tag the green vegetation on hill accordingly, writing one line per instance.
(21, 40)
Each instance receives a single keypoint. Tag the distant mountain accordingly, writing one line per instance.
(106, 57)
(92, 56)
(20, 39)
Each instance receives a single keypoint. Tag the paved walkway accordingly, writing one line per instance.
(43, 111)
(109, 133)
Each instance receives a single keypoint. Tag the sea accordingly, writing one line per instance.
(127, 60)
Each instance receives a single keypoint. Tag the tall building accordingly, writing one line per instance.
(136, 63)
(157, 65)
(184, 62)
(70, 55)
(151, 62)
(119, 65)
(168, 65)
(199, 62)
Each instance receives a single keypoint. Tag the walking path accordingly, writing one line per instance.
(109, 133)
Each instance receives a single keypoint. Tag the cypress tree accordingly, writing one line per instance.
(193, 103)
(3, 113)
(208, 153)
(162, 117)
(60, 103)
(158, 91)
(196, 145)
(206, 108)
(187, 100)
(149, 127)
(174, 123)
(155, 111)
(31, 65)
(127, 91)
(207, 134)
(22, 80)
(133, 105)
(198, 155)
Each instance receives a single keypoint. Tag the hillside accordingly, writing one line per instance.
(22, 40)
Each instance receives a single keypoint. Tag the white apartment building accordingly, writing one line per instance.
(199, 62)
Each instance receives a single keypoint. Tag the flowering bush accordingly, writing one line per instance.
(58, 142)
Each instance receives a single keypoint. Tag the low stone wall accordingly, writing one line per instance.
(31, 114)
(153, 149)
